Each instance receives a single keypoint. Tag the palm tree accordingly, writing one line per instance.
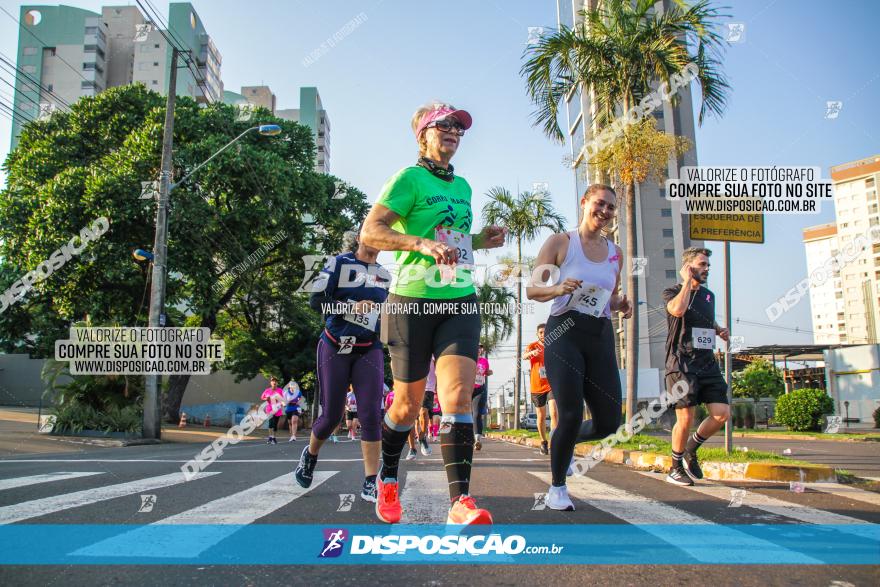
(496, 326)
(616, 53)
(524, 217)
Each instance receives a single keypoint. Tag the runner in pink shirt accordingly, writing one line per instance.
(275, 407)
(479, 399)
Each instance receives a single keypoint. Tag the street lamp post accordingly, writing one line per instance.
(152, 422)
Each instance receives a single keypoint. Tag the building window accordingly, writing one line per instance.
(87, 85)
(663, 193)
(670, 274)
(669, 253)
(91, 30)
(155, 82)
(667, 232)
(869, 183)
(155, 45)
(50, 88)
(29, 69)
(666, 213)
(155, 64)
(29, 51)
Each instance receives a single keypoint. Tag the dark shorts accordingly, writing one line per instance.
(428, 401)
(478, 391)
(351, 415)
(291, 411)
(540, 399)
(413, 336)
(708, 388)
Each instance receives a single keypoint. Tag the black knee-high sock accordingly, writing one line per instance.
(694, 442)
(393, 441)
(457, 447)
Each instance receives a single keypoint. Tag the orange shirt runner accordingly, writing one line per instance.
(538, 376)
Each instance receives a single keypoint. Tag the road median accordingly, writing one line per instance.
(742, 470)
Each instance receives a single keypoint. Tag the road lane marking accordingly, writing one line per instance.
(787, 509)
(425, 498)
(49, 505)
(710, 544)
(211, 522)
(46, 478)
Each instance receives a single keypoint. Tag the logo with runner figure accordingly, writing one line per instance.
(334, 541)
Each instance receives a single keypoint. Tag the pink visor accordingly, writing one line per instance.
(440, 113)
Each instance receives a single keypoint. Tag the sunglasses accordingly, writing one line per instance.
(449, 126)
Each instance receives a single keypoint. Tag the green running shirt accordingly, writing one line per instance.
(425, 202)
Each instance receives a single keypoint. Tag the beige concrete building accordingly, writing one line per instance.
(855, 241)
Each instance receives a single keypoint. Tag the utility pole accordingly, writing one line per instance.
(728, 359)
(152, 425)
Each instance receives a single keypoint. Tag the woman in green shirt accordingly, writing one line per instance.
(424, 214)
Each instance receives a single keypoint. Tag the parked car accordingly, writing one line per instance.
(530, 422)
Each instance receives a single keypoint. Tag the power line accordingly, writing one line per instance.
(36, 86)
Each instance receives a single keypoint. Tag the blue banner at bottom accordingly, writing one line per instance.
(607, 544)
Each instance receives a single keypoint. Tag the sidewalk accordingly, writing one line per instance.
(19, 436)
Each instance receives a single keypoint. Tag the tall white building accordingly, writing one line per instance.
(856, 239)
(826, 297)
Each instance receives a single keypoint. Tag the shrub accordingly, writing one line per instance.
(803, 409)
(877, 418)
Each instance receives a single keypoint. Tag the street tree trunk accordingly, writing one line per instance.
(518, 383)
(632, 290)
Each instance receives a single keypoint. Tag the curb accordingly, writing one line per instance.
(800, 437)
(712, 470)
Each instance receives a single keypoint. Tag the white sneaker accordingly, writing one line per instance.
(412, 454)
(292, 439)
(557, 499)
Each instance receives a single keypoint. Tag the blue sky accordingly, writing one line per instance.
(796, 56)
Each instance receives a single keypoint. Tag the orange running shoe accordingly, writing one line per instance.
(464, 511)
(387, 502)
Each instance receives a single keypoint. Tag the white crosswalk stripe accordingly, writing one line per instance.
(675, 526)
(16, 482)
(846, 492)
(425, 498)
(11, 514)
(217, 520)
(795, 511)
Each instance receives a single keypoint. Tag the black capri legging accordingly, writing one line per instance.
(581, 367)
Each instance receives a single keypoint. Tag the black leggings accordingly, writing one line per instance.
(478, 406)
(581, 366)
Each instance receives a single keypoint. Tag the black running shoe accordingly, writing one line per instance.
(305, 468)
(678, 476)
(544, 449)
(692, 466)
(368, 492)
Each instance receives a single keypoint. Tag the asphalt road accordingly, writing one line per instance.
(505, 480)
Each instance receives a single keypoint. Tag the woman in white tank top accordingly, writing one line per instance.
(579, 340)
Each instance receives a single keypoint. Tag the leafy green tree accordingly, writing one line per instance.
(760, 379)
(617, 55)
(524, 217)
(239, 226)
